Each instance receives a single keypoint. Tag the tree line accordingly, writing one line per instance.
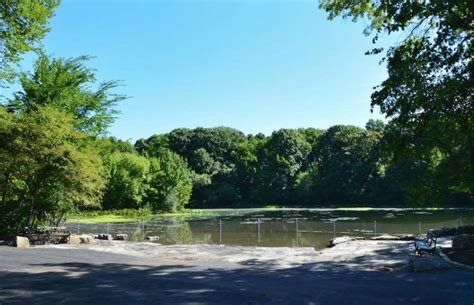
(55, 156)
(342, 165)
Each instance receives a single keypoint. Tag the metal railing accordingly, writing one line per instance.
(260, 231)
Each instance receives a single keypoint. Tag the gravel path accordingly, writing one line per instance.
(358, 272)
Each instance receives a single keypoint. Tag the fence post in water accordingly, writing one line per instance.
(334, 228)
(296, 224)
(258, 230)
(375, 227)
(78, 226)
(419, 227)
(107, 228)
(459, 221)
(143, 230)
(220, 231)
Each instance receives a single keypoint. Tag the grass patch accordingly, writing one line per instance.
(128, 215)
(271, 207)
(190, 213)
(355, 209)
(101, 219)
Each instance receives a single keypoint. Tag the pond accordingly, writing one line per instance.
(283, 227)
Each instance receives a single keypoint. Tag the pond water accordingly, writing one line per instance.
(283, 227)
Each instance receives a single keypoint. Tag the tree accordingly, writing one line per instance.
(23, 23)
(375, 125)
(153, 145)
(347, 163)
(431, 72)
(250, 156)
(127, 182)
(66, 84)
(47, 168)
(170, 182)
(286, 151)
(109, 145)
(204, 163)
(219, 142)
(419, 173)
(209, 153)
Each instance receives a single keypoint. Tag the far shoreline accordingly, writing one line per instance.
(115, 216)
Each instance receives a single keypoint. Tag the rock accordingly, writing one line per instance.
(465, 241)
(394, 237)
(86, 239)
(386, 237)
(22, 242)
(121, 237)
(104, 236)
(407, 237)
(152, 238)
(466, 230)
(427, 263)
(342, 239)
(74, 239)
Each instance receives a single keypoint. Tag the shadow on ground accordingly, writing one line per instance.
(252, 282)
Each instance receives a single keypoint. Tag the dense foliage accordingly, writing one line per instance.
(429, 91)
(55, 157)
(46, 168)
(22, 25)
(343, 165)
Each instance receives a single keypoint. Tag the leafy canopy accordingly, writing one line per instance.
(430, 72)
(68, 84)
(46, 168)
(23, 23)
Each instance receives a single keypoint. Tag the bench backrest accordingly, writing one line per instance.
(431, 239)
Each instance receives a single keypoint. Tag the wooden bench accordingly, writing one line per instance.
(427, 245)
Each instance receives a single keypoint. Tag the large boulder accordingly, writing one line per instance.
(22, 242)
(74, 239)
(121, 237)
(86, 239)
(464, 241)
(104, 236)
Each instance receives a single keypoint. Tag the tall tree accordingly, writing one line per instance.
(430, 73)
(346, 165)
(127, 180)
(23, 23)
(285, 153)
(47, 168)
(66, 84)
(170, 182)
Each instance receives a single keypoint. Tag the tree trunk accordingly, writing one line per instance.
(4, 194)
(31, 216)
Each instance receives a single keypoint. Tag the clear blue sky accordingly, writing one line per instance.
(253, 65)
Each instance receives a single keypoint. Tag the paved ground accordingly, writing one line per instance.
(223, 275)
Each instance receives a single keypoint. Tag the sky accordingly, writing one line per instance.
(254, 65)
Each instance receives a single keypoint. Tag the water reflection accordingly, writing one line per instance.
(287, 228)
